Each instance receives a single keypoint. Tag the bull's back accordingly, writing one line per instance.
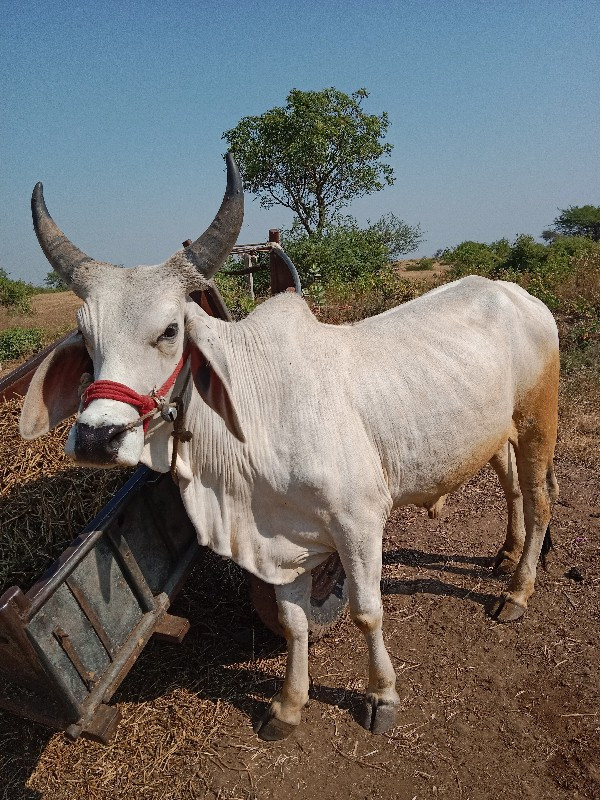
(441, 378)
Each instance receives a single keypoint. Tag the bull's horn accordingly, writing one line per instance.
(62, 254)
(211, 249)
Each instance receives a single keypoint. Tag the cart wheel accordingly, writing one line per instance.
(328, 599)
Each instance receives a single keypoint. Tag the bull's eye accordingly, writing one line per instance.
(169, 333)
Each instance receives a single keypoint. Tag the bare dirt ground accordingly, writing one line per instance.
(488, 710)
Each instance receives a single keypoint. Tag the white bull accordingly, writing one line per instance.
(304, 436)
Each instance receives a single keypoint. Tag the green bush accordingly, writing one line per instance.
(422, 265)
(476, 258)
(543, 269)
(573, 245)
(349, 301)
(234, 292)
(15, 295)
(526, 255)
(19, 342)
(345, 251)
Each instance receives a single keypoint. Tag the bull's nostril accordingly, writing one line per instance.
(100, 444)
(115, 433)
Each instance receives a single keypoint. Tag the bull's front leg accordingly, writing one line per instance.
(285, 710)
(363, 569)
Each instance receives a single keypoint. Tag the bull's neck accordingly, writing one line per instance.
(217, 458)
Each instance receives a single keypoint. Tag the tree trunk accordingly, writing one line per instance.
(322, 208)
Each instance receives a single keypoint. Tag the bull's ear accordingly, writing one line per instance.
(53, 393)
(210, 372)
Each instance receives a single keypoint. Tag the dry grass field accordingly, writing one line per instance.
(488, 711)
(50, 310)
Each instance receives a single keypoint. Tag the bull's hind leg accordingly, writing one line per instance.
(363, 571)
(285, 710)
(536, 424)
(505, 466)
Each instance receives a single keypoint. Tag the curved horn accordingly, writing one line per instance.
(211, 249)
(62, 254)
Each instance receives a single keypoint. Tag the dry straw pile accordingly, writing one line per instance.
(44, 500)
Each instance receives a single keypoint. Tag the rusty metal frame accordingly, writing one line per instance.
(64, 688)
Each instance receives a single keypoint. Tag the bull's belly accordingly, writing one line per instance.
(424, 482)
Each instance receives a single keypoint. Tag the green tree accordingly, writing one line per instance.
(397, 236)
(579, 221)
(54, 281)
(549, 235)
(314, 155)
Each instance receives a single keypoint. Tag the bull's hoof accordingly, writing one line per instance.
(378, 717)
(503, 565)
(271, 729)
(506, 610)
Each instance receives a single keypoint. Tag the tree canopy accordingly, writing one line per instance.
(54, 281)
(579, 221)
(314, 155)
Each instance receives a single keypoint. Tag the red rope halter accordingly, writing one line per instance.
(145, 403)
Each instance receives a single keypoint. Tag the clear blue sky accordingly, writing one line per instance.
(119, 107)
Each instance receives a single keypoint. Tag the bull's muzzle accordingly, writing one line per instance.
(98, 445)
